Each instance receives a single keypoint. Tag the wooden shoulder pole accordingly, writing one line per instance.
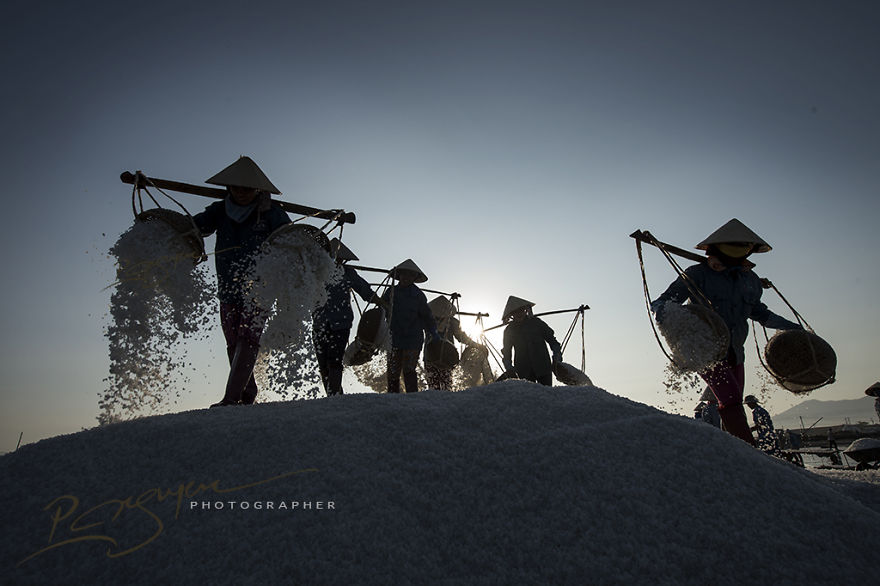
(143, 181)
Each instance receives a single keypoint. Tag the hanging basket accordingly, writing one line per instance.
(441, 354)
(570, 375)
(357, 353)
(696, 334)
(800, 360)
(181, 224)
(276, 238)
(372, 335)
(475, 368)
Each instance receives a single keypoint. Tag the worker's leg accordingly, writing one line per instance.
(727, 380)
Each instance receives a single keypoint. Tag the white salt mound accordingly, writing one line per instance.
(511, 483)
(864, 444)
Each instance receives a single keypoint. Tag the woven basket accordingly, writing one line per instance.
(475, 368)
(312, 232)
(718, 335)
(357, 353)
(442, 354)
(181, 224)
(569, 374)
(800, 360)
(372, 334)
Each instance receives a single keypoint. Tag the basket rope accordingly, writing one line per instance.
(136, 192)
(782, 380)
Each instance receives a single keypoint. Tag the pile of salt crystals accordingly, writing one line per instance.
(695, 345)
(161, 298)
(864, 444)
(290, 276)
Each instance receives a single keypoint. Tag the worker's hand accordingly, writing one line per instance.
(557, 357)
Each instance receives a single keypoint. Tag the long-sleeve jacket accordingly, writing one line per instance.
(237, 244)
(735, 294)
(336, 314)
(764, 428)
(710, 415)
(450, 330)
(528, 340)
(410, 317)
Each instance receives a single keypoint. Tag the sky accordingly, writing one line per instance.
(508, 148)
(510, 483)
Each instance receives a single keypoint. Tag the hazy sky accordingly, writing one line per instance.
(509, 148)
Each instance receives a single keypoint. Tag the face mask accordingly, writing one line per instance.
(238, 213)
(740, 250)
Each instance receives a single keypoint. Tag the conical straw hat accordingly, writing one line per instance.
(244, 173)
(340, 251)
(734, 231)
(873, 390)
(513, 304)
(441, 307)
(409, 265)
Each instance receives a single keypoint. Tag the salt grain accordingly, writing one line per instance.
(161, 298)
(373, 374)
(694, 344)
(290, 276)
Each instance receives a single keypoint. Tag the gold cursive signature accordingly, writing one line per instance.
(66, 505)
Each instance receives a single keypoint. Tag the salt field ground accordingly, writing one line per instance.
(506, 483)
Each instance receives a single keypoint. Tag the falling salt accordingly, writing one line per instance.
(683, 388)
(373, 374)
(695, 348)
(161, 298)
(290, 276)
(766, 385)
(290, 372)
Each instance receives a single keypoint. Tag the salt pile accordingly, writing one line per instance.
(511, 483)
(865, 443)
(290, 276)
(161, 299)
(695, 345)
